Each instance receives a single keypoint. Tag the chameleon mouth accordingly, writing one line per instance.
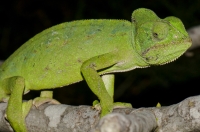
(166, 53)
(184, 45)
(180, 54)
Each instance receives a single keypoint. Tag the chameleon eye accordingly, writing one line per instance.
(155, 35)
(160, 30)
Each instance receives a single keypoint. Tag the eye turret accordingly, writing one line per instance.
(160, 30)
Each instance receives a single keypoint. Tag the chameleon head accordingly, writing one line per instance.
(158, 41)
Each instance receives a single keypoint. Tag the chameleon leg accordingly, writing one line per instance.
(106, 101)
(89, 71)
(108, 80)
(103, 87)
(17, 110)
(45, 97)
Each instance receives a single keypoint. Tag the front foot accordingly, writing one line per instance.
(109, 108)
(105, 107)
(45, 97)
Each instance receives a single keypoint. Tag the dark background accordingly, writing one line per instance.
(22, 19)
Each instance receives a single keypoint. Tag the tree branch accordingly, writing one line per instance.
(183, 117)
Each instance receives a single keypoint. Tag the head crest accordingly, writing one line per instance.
(143, 15)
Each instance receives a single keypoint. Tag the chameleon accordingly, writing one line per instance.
(91, 50)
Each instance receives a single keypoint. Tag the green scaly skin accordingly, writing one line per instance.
(83, 50)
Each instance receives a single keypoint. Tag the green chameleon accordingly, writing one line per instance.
(89, 50)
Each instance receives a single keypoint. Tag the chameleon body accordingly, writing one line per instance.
(90, 50)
